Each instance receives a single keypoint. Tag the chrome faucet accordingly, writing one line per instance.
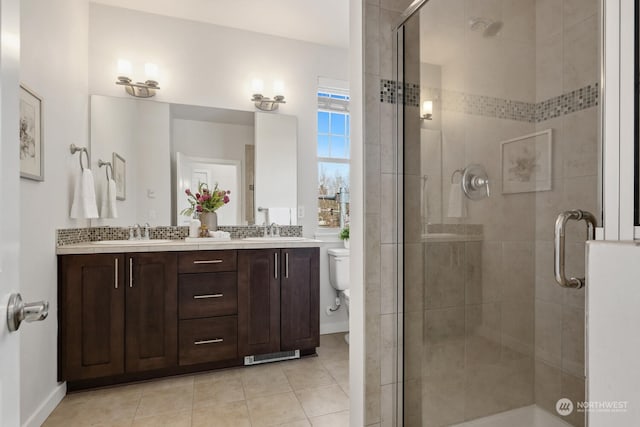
(265, 230)
(145, 235)
(274, 230)
(135, 233)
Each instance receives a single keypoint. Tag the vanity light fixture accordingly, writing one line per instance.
(262, 102)
(138, 89)
(427, 110)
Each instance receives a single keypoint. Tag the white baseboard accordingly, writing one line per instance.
(46, 408)
(334, 328)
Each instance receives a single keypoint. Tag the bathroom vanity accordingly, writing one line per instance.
(135, 312)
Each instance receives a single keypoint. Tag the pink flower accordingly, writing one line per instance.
(188, 192)
(226, 199)
(198, 208)
(197, 195)
(206, 196)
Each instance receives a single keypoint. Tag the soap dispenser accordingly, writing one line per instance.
(194, 226)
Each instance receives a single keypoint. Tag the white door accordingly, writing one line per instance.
(9, 205)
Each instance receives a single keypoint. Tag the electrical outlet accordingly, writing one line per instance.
(300, 211)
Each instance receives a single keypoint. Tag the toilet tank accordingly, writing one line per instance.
(339, 268)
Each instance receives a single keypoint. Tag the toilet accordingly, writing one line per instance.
(339, 275)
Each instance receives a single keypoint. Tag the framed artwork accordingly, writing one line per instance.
(31, 140)
(120, 176)
(527, 163)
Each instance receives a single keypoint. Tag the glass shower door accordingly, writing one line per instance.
(499, 115)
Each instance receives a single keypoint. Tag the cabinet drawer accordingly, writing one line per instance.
(208, 340)
(206, 261)
(207, 295)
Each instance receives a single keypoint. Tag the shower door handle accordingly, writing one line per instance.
(559, 245)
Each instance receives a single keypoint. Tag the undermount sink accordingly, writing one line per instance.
(274, 239)
(132, 242)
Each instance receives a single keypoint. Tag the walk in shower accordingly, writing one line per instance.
(499, 132)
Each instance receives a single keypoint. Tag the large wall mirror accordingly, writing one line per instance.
(168, 148)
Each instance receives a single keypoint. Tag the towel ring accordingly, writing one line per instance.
(74, 149)
(108, 165)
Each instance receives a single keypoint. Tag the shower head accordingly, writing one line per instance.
(489, 27)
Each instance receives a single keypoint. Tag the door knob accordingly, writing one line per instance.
(18, 311)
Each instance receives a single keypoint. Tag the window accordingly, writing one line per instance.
(333, 158)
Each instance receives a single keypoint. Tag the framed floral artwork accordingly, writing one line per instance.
(527, 163)
(31, 140)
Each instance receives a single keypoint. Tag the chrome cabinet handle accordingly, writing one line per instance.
(115, 276)
(208, 296)
(275, 264)
(213, 341)
(559, 245)
(208, 261)
(131, 272)
(286, 265)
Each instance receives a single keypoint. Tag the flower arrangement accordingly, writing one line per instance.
(206, 200)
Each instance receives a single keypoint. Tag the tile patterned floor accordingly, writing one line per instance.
(299, 393)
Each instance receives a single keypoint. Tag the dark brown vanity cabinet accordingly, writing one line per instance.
(132, 316)
(208, 307)
(118, 314)
(278, 300)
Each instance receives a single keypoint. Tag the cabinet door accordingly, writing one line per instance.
(258, 301)
(91, 319)
(152, 311)
(300, 299)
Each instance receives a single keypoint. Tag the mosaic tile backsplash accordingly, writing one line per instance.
(70, 236)
(481, 105)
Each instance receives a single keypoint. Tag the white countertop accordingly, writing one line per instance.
(181, 245)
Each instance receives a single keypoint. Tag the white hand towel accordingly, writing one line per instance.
(84, 197)
(108, 208)
(281, 216)
(457, 203)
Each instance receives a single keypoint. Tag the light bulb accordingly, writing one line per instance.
(151, 71)
(124, 68)
(257, 86)
(427, 108)
(278, 87)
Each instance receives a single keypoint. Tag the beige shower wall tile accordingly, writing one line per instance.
(444, 275)
(388, 20)
(371, 39)
(444, 326)
(548, 66)
(395, 5)
(484, 276)
(519, 270)
(372, 109)
(388, 277)
(388, 215)
(573, 342)
(519, 19)
(548, 333)
(518, 325)
(575, 11)
(548, 386)
(548, 17)
(443, 400)
(574, 388)
(483, 334)
(580, 143)
(581, 59)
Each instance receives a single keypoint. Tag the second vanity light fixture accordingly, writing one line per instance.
(139, 89)
(427, 110)
(262, 102)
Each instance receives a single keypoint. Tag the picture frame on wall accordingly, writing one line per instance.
(527, 163)
(31, 135)
(120, 176)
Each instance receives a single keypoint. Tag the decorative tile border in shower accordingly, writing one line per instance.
(70, 236)
(481, 105)
(389, 93)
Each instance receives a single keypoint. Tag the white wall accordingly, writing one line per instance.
(212, 140)
(208, 65)
(54, 64)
